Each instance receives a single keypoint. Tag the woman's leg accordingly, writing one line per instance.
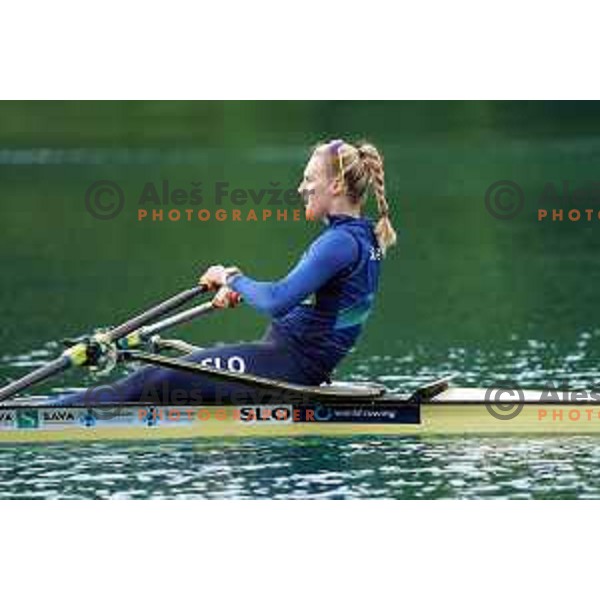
(170, 386)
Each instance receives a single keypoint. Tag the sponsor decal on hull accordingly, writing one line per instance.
(409, 414)
(59, 415)
(28, 418)
(266, 414)
(7, 418)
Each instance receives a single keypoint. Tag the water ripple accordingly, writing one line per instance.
(403, 468)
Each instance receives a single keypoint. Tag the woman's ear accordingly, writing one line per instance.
(336, 187)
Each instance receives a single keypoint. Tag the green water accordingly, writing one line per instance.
(463, 291)
(403, 468)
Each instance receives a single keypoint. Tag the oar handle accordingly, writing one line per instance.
(154, 312)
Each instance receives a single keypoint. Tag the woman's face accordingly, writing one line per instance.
(317, 189)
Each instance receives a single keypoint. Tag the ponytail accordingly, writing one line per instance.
(373, 165)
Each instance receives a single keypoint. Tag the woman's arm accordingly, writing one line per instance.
(332, 252)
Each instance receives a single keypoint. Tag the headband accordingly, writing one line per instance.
(334, 148)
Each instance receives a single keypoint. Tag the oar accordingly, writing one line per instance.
(225, 298)
(143, 334)
(155, 312)
(78, 354)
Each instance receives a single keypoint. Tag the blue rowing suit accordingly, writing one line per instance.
(317, 310)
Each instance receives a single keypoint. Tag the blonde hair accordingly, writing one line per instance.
(360, 169)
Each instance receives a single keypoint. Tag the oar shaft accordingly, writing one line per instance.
(184, 316)
(62, 363)
(143, 334)
(154, 313)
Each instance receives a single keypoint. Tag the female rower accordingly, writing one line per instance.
(317, 310)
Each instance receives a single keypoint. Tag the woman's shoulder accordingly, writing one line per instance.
(336, 244)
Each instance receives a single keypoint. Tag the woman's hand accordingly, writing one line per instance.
(216, 276)
(226, 298)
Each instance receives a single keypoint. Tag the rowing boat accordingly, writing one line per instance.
(446, 411)
(278, 408)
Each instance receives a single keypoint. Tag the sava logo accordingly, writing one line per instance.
(58, 416)
(7, 418)
(266, 414)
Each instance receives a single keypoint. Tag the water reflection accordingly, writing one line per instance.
(402, 468)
